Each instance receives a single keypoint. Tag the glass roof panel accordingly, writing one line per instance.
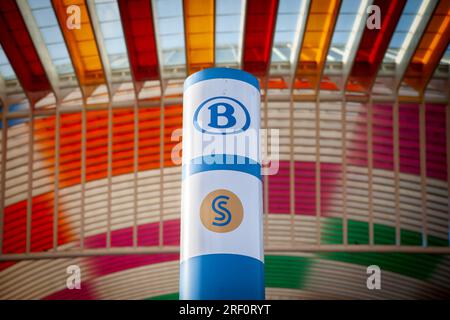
(229, 29)
(404, 25)
(345, 29)
(48, 25)
(289, 18)
(446, 58)
(38, 4)
(170, 32)
(111, 27)
(6, 71)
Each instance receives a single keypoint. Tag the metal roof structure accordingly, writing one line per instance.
(88, 117)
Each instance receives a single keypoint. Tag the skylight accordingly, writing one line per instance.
(405, 29)
(48, 25)
(6, 71)
(291, 14)
(446, 58)
(111, 27)
(170, 31)
(229, 31)
(349, 19)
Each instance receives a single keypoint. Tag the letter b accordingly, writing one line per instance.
(226, 114)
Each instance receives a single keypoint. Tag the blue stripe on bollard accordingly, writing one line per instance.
(222, 162)
(222, 277)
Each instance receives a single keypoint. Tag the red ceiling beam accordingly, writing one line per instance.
(137, 22)
(22, 54)
(373, 45)
(259, 30)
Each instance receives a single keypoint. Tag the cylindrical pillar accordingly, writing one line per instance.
(221, 219)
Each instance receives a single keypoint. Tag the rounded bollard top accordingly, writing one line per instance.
(221, 73)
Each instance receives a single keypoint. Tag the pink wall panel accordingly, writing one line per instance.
(436, 147)
(409, 138)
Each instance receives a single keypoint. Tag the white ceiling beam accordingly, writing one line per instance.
(353, 41)
(101, 46)
(298, 41)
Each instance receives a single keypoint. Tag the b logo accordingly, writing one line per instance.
(221, 211)
(221, 115)
(227, 114)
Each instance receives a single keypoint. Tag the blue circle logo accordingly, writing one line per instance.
(221, 115)
(221, 211)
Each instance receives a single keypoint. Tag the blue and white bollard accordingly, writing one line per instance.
(221, 221)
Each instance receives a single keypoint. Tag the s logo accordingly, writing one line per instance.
(223, 215)
(221, 211)
(221, 115)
